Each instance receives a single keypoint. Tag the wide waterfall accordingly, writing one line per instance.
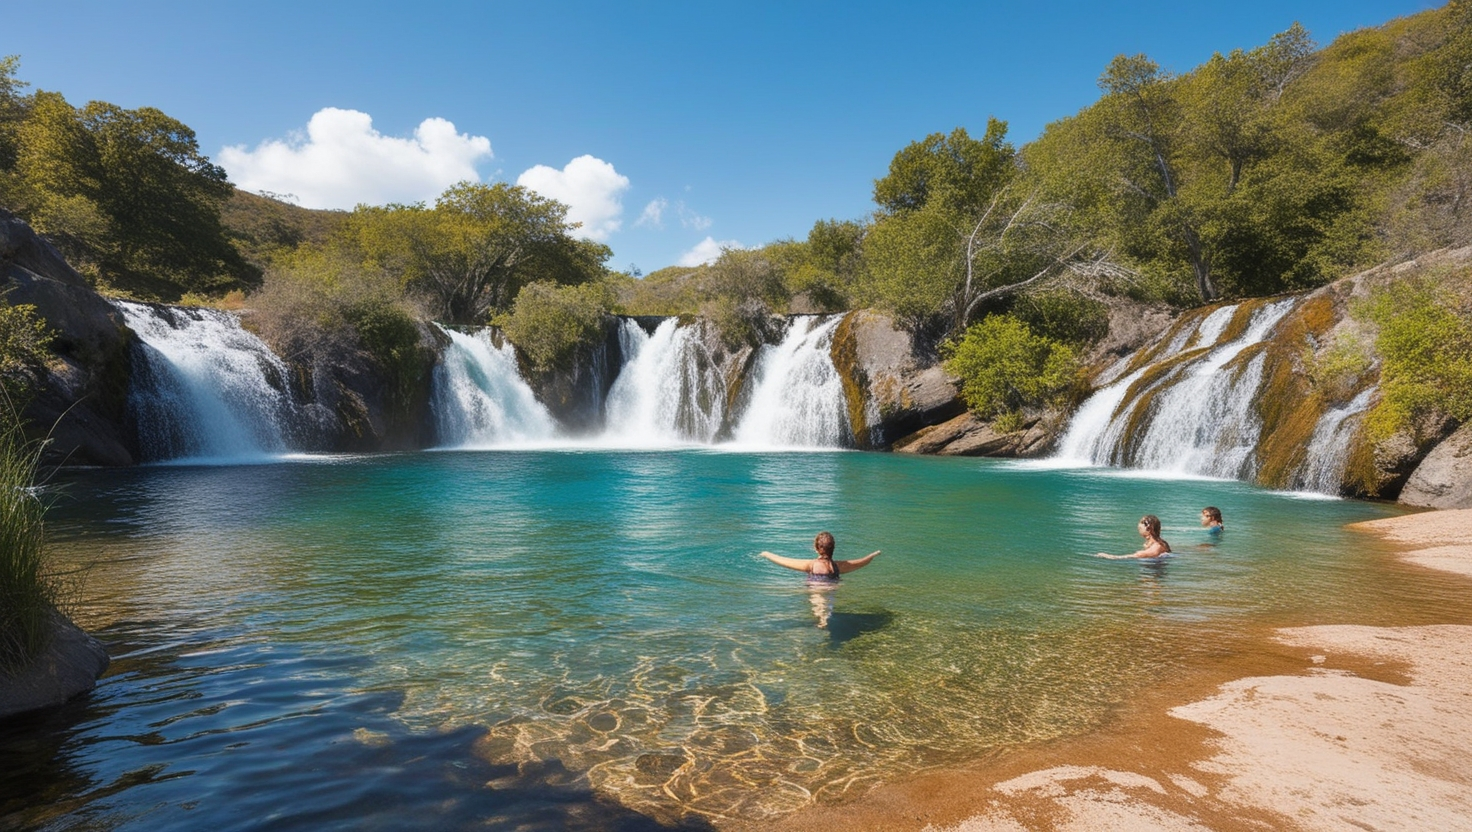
(205, 387)
(797, 396)
(480, 399)
(1191, 406)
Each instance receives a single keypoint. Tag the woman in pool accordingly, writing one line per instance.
(823, 568)
(1211, 519)
(1155, 545)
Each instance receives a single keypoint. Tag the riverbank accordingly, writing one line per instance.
(1326, 727)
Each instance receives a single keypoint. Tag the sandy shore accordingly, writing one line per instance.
(1350, 727)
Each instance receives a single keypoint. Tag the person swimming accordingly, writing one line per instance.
(1211, 519)
(822, 572)
(823, 569)
(1155, 545)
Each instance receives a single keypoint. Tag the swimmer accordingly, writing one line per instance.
(1211, 519)
(1155, 545)
(823, 568)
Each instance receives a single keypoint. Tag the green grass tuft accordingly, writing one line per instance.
(29, 589)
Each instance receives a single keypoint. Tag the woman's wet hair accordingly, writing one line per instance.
(1213, 514)
(824, 544)
(1151, 524)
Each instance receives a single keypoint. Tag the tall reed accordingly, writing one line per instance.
(29, 589)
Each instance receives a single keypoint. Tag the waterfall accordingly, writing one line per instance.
(479, 398)
(204, 387)
(669, 390)
(796, 395)
(1328, 448)
(1195, 416)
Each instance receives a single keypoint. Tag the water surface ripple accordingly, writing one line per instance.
(579, 639)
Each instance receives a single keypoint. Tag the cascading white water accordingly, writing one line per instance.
(1328, 449)
(207, 387)
(1201, 418)
(479, 398)
(669, 390)
(797, 400)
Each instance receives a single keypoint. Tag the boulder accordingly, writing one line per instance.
(892, 388)
(966, 435)
(69, 666)
(1444, 477)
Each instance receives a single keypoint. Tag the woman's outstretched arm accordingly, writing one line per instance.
(856, 563)
(790, 563)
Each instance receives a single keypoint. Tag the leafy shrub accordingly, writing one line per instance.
(1004, 367)
(318, 306)
(551, 324)
(1425, 346)
(1336, 371)
(1064, 316)
(24, 342)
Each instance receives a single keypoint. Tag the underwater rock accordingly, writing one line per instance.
(69, 666)
(1444, 477)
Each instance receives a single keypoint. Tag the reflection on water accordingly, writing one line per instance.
(588, 640)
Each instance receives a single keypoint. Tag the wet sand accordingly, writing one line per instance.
(1325, 727)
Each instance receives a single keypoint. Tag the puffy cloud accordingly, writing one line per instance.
(706, 251)
(653, 214)
(590, 189)
(342, 161)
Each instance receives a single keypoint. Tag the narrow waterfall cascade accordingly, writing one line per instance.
(1328, 448)
(1191, 411)
(479, 399)
(797, 396)
(668, 391)
(205, 387)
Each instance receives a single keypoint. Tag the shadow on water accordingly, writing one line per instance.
(846, 626)
(251, 753)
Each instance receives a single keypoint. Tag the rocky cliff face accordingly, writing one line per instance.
(82, 394)
(892, 388)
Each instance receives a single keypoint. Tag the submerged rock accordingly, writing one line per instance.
(69, 666)
(1444, 477)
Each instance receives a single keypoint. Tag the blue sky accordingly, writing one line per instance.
(735, 123)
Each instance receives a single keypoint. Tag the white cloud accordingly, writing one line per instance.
(342, 161)
(706, 251)
(590, 189)
(653, 214)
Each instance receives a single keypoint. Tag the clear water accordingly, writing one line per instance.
(588, 640)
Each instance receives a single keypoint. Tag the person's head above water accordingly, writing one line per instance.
(823, 544)
(1150, 526)
(1211, 516)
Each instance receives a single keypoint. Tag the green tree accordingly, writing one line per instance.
(473, 251)
(960, 225)
(13, 106)
(162, 198)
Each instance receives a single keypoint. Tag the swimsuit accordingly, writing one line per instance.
(825, 577)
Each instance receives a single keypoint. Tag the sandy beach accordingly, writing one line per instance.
(1338, 726)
